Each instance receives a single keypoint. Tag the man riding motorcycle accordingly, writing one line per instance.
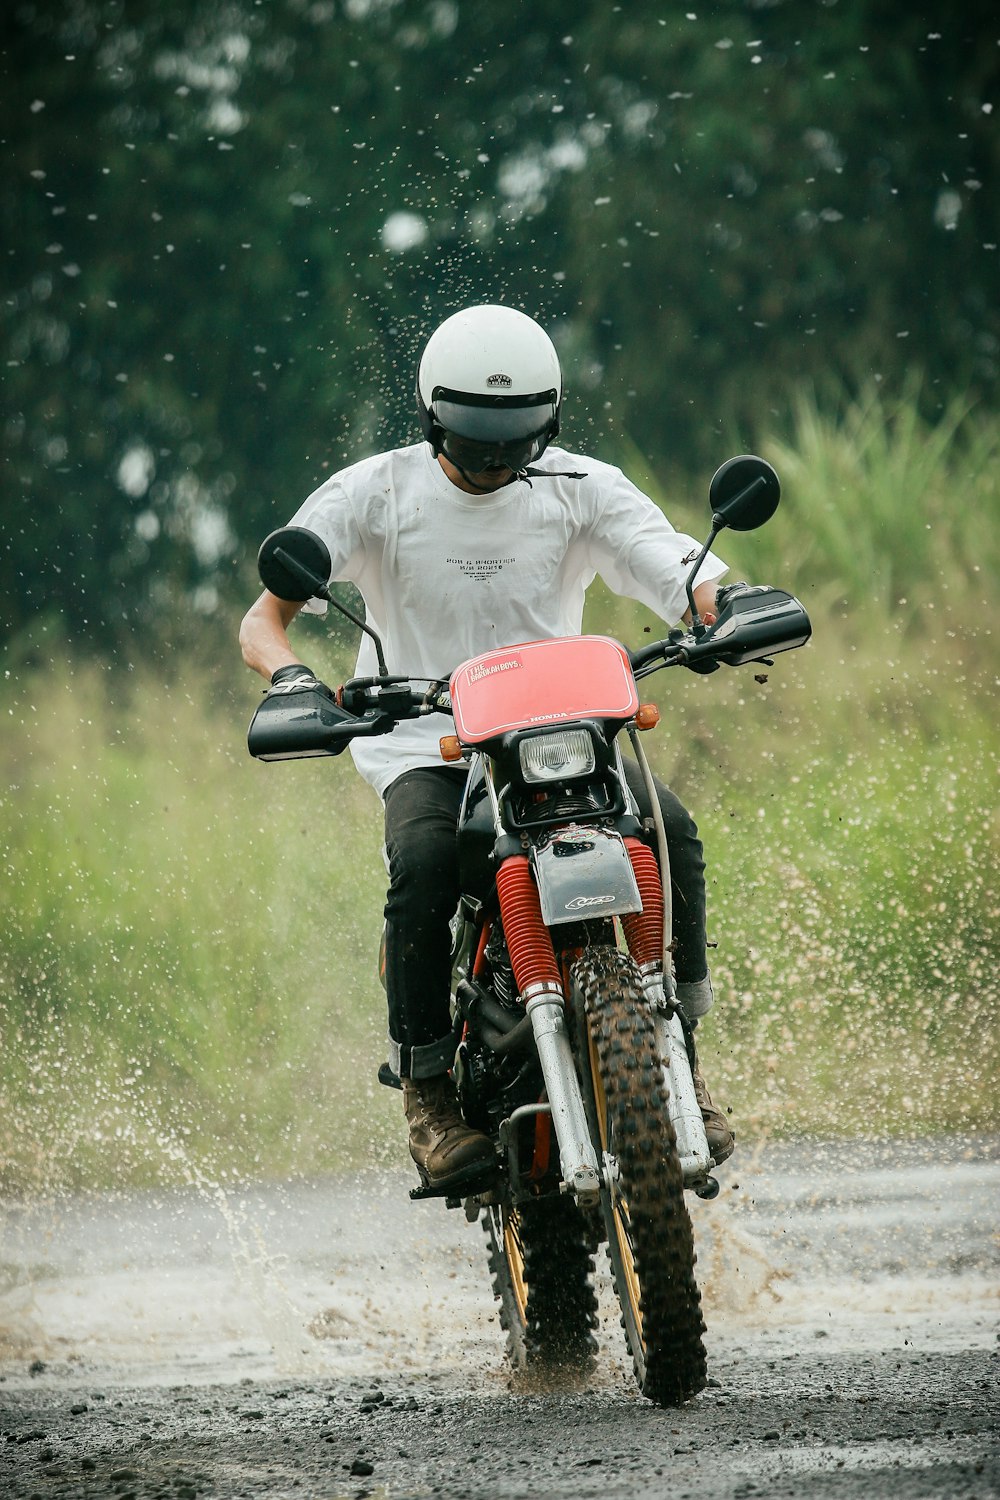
(458, 545)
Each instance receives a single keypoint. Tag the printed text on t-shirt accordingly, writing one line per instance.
(480, 567)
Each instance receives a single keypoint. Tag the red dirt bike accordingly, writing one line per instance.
(570, 1051)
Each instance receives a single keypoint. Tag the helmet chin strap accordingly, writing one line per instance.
(477, 489)
(526, 474)
(437, 448)
(529, 474)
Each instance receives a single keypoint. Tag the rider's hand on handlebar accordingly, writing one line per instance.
(726, 592)
(710, 617)
(298, 678)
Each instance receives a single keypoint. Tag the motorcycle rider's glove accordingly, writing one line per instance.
(298, 678)
(726, 592)
(722, 597)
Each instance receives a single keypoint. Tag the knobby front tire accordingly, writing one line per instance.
(650, 1239)
(541, 1257)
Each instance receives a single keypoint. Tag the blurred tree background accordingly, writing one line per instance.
(229, 224)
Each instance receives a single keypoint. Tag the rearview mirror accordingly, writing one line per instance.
(744, 493)
(295, 564)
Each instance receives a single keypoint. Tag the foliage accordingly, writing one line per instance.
(188, 979)
(884, 515)
(182, 935)
(854, 844)
(193, 986)
(230, 225)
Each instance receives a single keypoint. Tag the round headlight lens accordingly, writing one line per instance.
(557, 757)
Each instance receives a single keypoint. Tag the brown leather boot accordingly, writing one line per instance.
(721, 1141)
(447, 1152)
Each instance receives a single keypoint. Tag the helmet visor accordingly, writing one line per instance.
(494, 432)
(478, 457)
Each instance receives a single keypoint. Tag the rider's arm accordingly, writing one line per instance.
(634, 548)
(704, 599)
(264, 634)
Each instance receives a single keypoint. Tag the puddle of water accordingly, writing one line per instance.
(348, 1277)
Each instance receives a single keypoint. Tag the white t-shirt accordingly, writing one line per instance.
(446, 576)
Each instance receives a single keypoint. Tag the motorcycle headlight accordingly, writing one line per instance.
(557, 757)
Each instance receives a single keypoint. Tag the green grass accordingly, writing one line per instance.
(187, 983)
(882, 516)
(189, 969)
(853, 848)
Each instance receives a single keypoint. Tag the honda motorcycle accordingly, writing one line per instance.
(571, 1053)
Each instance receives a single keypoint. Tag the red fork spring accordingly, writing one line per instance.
(529, 942)
(644, 929)
(484, 937)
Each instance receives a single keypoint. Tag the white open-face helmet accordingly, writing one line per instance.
(489, 388)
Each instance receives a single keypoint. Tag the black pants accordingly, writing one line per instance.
(421, 819)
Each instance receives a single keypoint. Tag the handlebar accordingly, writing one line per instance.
(395, 696)
(293, 726)
(753, 625)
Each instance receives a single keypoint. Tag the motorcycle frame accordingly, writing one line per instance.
(752, 625)
(547, 1006)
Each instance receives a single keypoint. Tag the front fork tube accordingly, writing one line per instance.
(580, 1170)
(671, 1045)
(682, 1104)
(545, 1005)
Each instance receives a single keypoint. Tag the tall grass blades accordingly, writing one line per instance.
(853, 851)
(190, 936)
(883, 514)
(188, 970)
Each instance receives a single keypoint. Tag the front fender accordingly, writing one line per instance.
(584, 872)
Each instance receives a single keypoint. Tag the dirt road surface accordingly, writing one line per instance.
(333, 1340)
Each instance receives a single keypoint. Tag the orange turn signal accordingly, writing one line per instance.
(648, 716)
(451, 747)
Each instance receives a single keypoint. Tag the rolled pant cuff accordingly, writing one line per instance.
(696, 997)
(429, 1061)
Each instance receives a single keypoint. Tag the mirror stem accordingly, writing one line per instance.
(382, 669)
(320, 590)
(697, 627)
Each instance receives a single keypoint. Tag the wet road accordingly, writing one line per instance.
(223, 1341)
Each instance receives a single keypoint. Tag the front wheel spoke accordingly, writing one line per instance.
(541, 1257)
(514, 1247)
(651, 1252)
